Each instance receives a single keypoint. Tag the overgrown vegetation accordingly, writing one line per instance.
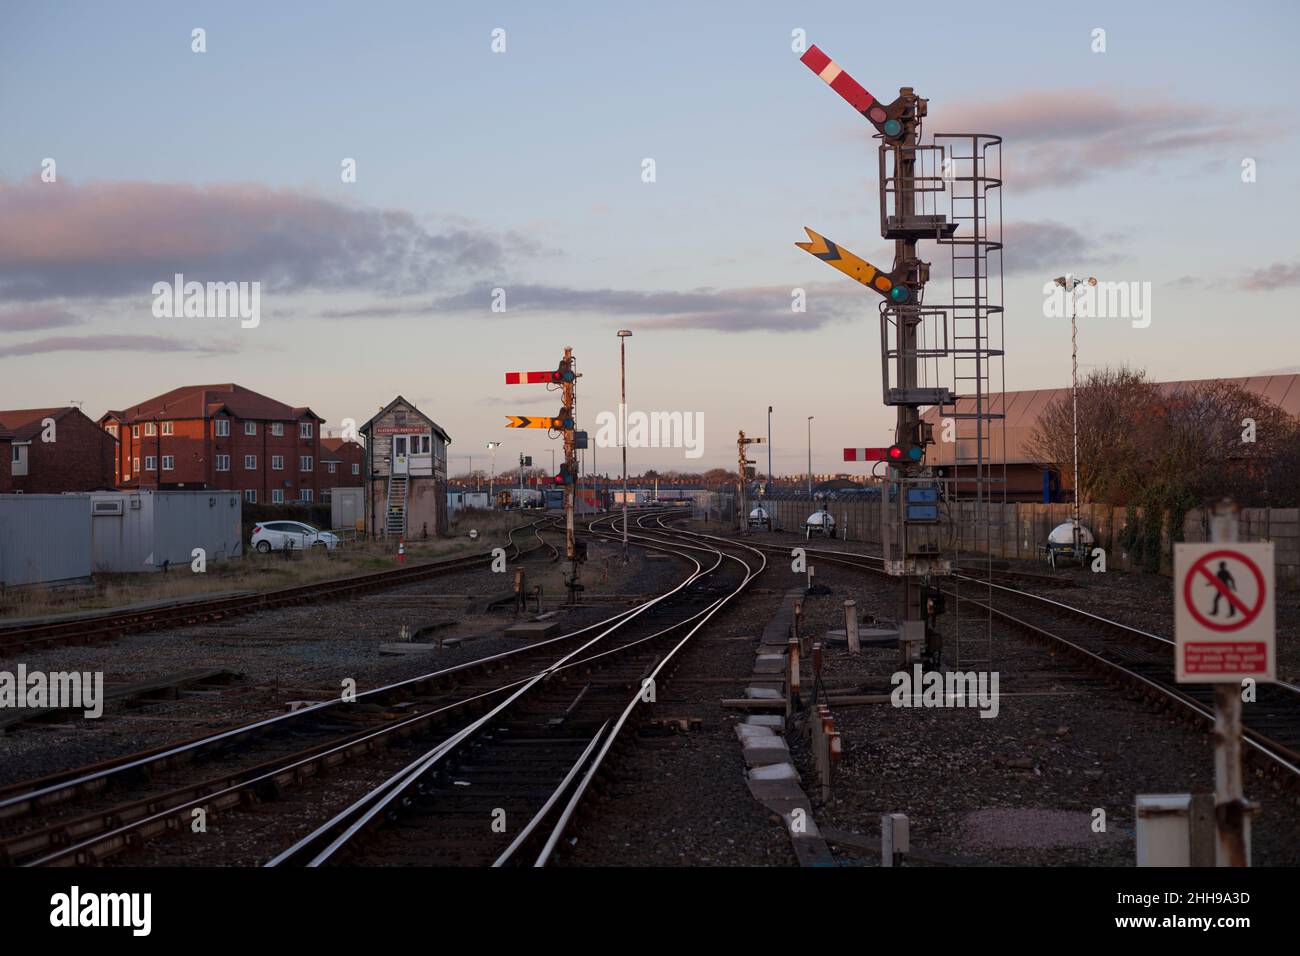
(1161, 451)
(1138, 438)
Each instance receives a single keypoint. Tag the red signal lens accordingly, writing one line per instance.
(895, 453)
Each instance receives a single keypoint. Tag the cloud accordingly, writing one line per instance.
(118, 238)
(1032, 246)
(29, 318)
(1277, 276)
(103, 343)
(1065, 137)
(765, 308)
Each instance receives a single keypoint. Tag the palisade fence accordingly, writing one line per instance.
(1019, 531)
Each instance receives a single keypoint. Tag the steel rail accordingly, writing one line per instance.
(321, 845)
(1274, 753)
(566, 816)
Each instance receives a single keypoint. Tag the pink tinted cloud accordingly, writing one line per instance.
(1064, 137)
(118, 238)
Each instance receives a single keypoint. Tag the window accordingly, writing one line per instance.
(223, 427)
(150, 463)
(277, 496)
(169, 462)
(150, 428)
(306, 494)
(135, 431)
(18, 453)
(304, 429)
(223, 463)
(167, 428)
(304, 462)
(135, 463)
(111, 429)
(277, 428)
(332, 467)
(250, 495)
(250, 462)
(250, 428)
(424, 444)
(277, 462)
(356, 469)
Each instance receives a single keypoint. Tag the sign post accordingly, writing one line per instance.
(1224, 635)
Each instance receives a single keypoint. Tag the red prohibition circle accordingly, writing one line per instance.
(1247, 616)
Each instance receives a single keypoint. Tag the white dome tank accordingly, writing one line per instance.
(1063, 534)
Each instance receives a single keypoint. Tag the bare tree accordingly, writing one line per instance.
(1118, 413)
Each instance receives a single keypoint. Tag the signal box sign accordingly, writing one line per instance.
(1223, 612)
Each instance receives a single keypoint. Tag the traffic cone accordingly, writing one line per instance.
(401, 550)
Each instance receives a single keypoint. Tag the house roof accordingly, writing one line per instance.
(399, 400)
(24, 424)
(205, 401)
(336, 444)
(1024, 408)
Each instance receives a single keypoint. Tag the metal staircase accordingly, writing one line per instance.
(395, 521)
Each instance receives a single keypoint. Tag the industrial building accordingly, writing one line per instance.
(223, 437)
(155, 531)
(405, 472)
(1029, 479)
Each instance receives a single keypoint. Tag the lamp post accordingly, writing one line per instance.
(810, 418)
(623, 336)
(492, 446)
(1070, 283)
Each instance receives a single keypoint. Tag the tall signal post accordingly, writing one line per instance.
(919, 341)
(565, 376)
(743, 474)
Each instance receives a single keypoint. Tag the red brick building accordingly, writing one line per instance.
(225, 437)
(342, 465)
(47, 451)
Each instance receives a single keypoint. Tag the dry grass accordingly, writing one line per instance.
(258, 572)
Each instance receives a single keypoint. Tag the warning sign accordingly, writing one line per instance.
(1223, 612)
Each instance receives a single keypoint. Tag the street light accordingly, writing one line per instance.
(492, 446)
(623, 336)
(810, 418)
(1071, 283)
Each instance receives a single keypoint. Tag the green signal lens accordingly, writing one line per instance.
(898, 293)
(893, 127)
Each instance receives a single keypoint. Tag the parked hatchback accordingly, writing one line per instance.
(278, 535)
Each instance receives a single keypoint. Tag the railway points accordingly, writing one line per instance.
(1036, 621)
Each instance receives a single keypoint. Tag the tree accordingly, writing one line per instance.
(1118, 410)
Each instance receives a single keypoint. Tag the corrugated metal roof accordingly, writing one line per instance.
(1024, 408)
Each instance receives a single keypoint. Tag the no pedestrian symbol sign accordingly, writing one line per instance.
(1223, 612)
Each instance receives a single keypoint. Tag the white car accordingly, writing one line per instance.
(278, 535)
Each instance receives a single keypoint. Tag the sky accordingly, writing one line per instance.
(523, 170)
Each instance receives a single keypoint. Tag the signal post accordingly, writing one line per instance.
(565, 377)
(743, 473)
(915, 338)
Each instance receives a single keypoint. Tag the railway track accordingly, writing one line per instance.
(90, 814)
(113, 624)
(506, 788)
(1138, 658)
